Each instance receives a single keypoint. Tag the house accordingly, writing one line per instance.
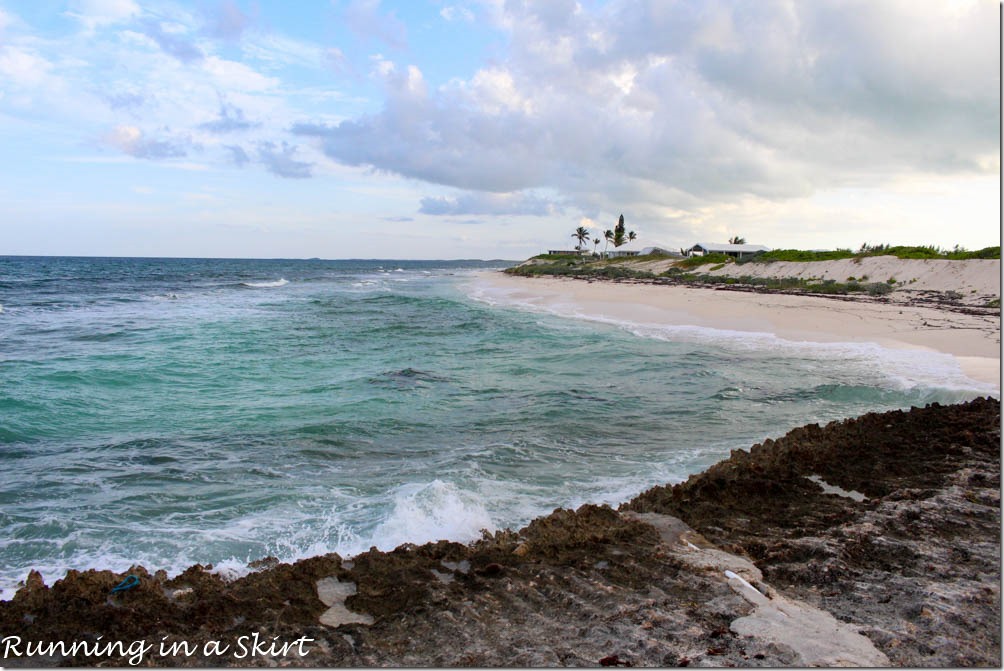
(617, 253)
(735, 251)
(662, 251)
(569, 252)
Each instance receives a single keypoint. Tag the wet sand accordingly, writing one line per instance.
(974, 340)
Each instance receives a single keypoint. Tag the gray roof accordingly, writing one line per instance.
(725, 247)
(660, 249)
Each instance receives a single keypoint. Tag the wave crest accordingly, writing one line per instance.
(266, 285)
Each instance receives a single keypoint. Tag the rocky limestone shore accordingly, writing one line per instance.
(873, 541)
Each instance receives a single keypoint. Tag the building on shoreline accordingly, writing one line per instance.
(735, 251)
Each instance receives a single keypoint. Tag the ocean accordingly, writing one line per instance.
(168, 412)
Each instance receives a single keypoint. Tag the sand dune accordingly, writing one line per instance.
(978, 280)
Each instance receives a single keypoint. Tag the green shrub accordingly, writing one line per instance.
(899, 251)
(696, 261)
(878, 289)
(801, 255)
(559, 257)
(985, 253)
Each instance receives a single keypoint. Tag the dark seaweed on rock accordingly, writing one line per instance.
(915, 566)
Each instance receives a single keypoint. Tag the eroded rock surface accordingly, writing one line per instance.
(913, 567)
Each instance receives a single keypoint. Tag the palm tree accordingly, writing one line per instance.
(582, 235)
(737, 241)
(619, 237)
(608, 235)
(596, 243)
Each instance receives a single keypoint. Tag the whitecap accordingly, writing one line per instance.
(430, 512)
(267, 285)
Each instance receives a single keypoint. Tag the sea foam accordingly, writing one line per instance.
(281, 282)
(900, 368)
(429, 512)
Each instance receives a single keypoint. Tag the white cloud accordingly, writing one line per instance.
(495, 92)
(235, 76)
(228, 21)
(366, 20)
(6, 20)
(23, 68)
(131, 140)
(277, 51)
(671, 106)
(457, 13)
(682, 114)
(512, 204)
(97, 13)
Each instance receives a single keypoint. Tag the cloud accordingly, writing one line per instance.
(335, 59)
(172, 41)
(228, 21)
(280, 161)
(118, 100)
(239, 157)
(98, 13)
(671, 106)
(23, 67)
(445, 141)
(490, 203)
(457, 13)
(364, 19)
(231, 119)
(130, 140)
(230, 75)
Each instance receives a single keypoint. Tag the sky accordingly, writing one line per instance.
(494, 128)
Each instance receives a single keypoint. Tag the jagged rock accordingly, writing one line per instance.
(914, 567)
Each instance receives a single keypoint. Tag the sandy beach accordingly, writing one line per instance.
(973, 340)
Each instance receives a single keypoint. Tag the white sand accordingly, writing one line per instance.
(974, 341)
(977, 280)
(972, 278)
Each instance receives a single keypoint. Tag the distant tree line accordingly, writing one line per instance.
(618, 236)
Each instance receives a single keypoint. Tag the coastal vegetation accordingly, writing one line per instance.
(799, 284)
(899, 251)
(554, 265)
(569, 267)
(723, 271)
(619, 236)
(697, 261)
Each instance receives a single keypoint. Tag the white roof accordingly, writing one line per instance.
(725, 247)
(649, 250)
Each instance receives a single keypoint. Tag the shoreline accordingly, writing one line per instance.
(829, 546)
(973, 340)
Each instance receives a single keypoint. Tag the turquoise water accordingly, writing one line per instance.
(172, 411)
